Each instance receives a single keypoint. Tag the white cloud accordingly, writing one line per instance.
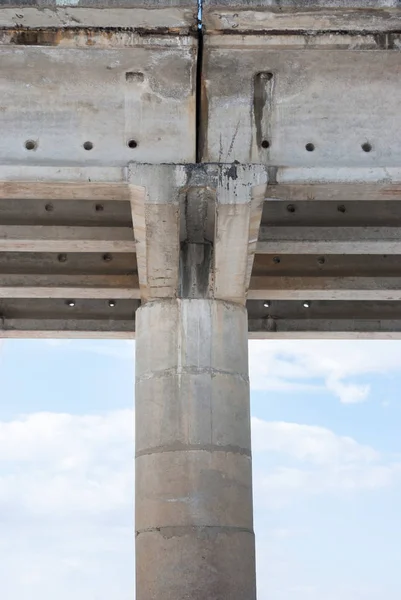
(308, 443)
(59, 463)
(66, 496)
(66, 500)
(292, 365)
(309, 460)
(297, 365)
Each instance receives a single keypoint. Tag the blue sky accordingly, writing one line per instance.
(327, 469)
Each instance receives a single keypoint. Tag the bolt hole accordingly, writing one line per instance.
(49, 208)
(291, 208)
(107, 257)
(277, 260)
(132, 144)
(112, 303)
(99, 207)
(30, 145)
(265, 144)
(321, 260)
(88, 145)
(366, 147)
(62, 258)
(70, 303)
(341, 208)
(310, 147)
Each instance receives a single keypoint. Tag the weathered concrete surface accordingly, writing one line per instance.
(303, 5)
(193, 464)
(301, 15)
(306, 102)
(97, 99)
(297, 97)
(170, 17)
(155, 199)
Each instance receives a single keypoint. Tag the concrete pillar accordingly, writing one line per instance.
(194, 524)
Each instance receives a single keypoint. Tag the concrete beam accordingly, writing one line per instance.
(334, 192)
(38, 238)
(108, 287)
(291, 104)
(172, 17)
(118, 75)
(301, 15)
(329, 240)
(325, 288)
(64, 190)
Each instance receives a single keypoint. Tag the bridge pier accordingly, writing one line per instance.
(194, 525)
(194, 522)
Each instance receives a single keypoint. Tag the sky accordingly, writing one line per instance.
(326, 424)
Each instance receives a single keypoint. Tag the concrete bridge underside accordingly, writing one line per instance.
(196, 187)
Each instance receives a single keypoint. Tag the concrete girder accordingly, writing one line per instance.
(331, 220)
(176, 17)
(272, 16)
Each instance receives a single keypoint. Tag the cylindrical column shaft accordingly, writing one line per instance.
(194, 526)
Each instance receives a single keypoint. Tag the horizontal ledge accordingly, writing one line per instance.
(38, 238)
(274, 328)
(178, 447)
(38, 334)
(344, 233)
(57, 285)
(333, 192)
(93, 293)
(329, 247)
(253, 335)
(65, 328)
(329, 240)
(261, 17)
(152, 17)
(325, 288)
(325, 335)
(171, 531)
(299, 39)
(46, 190)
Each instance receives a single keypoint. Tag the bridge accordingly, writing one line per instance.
(193, 183)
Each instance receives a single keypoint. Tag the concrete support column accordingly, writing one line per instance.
(194, 525)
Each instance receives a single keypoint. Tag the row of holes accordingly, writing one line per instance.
(305, 303)
(71, 303)
(64, 257)
(321, 260)
(291, 208)
(50, 207)
(32, 145)
(341, 208)
(366, 147)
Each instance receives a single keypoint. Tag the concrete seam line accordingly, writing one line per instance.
(195, 448)
(190, 371)
(170, 531)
